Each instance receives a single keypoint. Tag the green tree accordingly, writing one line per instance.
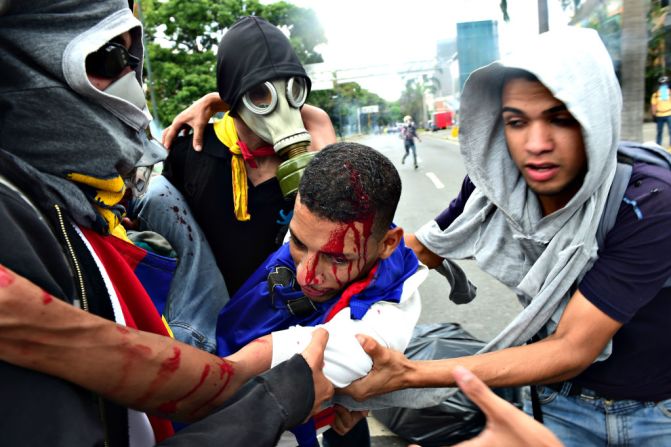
(182, 39)
(412, 98)
(341, 104)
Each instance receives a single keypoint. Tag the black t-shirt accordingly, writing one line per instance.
(204, 178)
(626, 284)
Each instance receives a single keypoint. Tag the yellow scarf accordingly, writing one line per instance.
(108, 193)
(225, 131)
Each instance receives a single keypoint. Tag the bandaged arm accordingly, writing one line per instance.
(391, 324)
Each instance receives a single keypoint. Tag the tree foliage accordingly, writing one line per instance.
(412, 98)
(341, 104)
(182, 38)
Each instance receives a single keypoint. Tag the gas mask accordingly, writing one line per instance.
(272, 111)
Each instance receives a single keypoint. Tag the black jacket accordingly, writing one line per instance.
(38, 409)
(204, 179)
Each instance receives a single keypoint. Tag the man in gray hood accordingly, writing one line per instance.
(84, 356)
(539, 138)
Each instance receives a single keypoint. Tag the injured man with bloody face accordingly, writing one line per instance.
(345, 268)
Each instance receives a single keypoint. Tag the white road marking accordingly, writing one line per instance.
(436, 181)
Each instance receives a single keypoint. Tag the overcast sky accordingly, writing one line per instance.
(364, 33)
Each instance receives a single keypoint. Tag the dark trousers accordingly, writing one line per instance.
(661, 121)
(358, 436)
(410, 145)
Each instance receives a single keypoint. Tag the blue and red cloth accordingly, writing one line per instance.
(256, 310)
(261, 306)
(141, 280)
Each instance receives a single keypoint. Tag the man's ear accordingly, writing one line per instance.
(390, 241)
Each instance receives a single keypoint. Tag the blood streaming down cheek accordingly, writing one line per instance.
(311, 270)
(336, 244)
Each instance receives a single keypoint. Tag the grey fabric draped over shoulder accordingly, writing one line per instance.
(541, 258)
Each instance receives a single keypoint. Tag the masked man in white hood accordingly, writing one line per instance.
(85, 358)
(539, 138)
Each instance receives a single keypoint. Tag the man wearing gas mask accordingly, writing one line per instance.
(80, 340)
(225, 208)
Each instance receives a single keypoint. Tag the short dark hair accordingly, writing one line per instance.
(347, 182)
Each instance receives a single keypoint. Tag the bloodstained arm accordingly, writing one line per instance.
(137, 369)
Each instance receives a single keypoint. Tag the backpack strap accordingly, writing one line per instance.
(615, 196)
(627, 154)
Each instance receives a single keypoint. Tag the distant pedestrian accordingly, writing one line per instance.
(409, 133)
(660, 105)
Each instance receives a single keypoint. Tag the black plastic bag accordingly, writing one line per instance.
(456, 418)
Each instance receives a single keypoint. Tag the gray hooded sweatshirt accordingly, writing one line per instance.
(52, 119)
(541, 258)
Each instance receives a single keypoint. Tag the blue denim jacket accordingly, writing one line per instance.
(198, 290)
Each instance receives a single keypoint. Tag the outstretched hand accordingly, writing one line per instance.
(506, 425)
(314, 356)
(386, 375)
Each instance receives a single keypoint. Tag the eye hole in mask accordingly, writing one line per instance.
(297, 91)
(262, 99)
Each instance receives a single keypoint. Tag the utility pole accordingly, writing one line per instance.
(543, 19)
(633, 53)
(358, 119)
